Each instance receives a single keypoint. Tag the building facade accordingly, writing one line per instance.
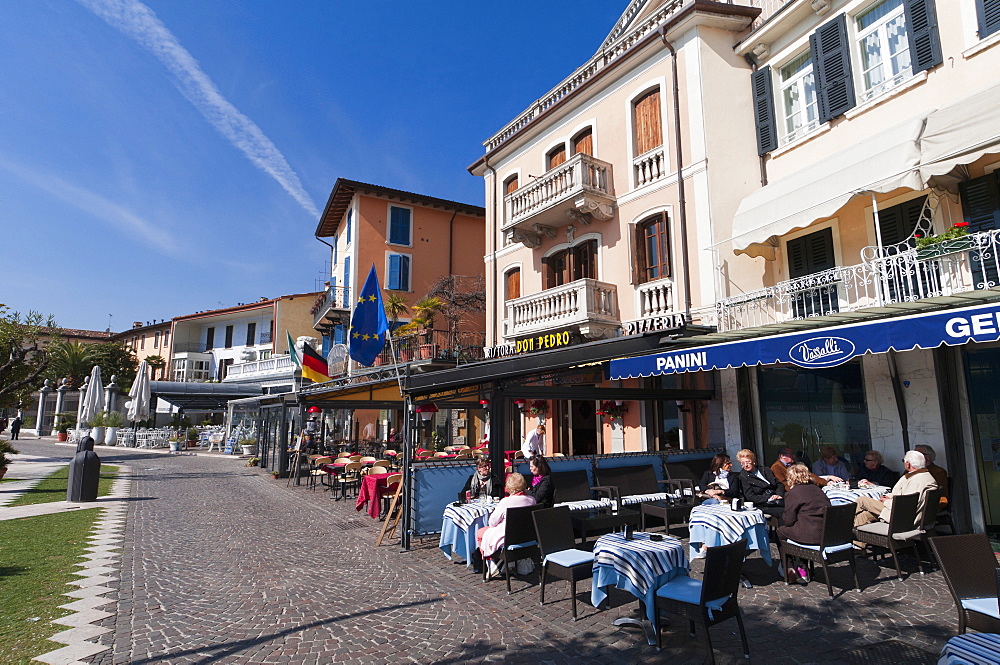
(150, 341)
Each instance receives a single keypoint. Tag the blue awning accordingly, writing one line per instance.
(826, 347)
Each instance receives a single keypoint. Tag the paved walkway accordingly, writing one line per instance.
(223, 564)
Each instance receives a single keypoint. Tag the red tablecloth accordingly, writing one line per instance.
(509, 454)
(373, 488)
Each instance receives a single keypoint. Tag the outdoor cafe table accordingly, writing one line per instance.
(721, 525)
(639, 566)
(971, 649)
(373, 488)
(459, 526)
(840, 495)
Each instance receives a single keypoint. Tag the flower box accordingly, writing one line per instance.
(943, 248)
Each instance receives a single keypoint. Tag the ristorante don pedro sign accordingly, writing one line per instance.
(531, 344)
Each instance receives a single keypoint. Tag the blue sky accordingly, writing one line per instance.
(163, 158)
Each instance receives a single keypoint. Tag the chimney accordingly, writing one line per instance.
(137, 324)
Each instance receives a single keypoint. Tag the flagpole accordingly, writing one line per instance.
(392, 350)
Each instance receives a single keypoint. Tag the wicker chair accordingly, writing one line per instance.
(899, 533)
(711, 600)
(971, 571)
(835, 545)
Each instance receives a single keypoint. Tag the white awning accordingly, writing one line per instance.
(959, 134)
(881, 164)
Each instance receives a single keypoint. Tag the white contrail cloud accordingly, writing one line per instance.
(139, 22)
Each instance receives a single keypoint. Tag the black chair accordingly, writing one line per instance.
(709, 601)
(554, 532)
(835, 545)
(676, 508)
(901, 531)
(519, 541)
(971, 571)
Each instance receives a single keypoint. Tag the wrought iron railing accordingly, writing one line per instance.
(335, 297)
(446, 346)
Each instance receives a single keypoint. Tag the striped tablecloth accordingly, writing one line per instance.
(720, 525)
(840, 496)
(459, 526)
(639, 566)
(971, 649)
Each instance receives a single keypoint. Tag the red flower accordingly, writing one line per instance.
(960, 224)
(917, 235)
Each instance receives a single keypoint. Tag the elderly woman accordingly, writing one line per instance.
(542, 488)
(805, 506)
(829, 466)
(875, 472)
(491, 537)
(755, 484)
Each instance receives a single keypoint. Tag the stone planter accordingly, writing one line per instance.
(175, 446)
(98, 433)
(428, 351)
(62, 436)
(249, 450)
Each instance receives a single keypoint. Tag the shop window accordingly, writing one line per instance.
(808, 255)
(513, 284)
(584, 142)
(569, 265)
(653, 248)
(555, 157)
(647, 121)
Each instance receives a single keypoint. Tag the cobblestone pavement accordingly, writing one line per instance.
(223, 564)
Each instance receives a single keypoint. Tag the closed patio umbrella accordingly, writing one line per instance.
(137, 408)
(93, 399)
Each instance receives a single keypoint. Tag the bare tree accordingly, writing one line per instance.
(461, 296)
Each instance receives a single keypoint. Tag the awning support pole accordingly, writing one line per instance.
(408, 429)
(897, 389)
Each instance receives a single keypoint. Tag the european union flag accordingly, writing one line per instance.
(369, 324)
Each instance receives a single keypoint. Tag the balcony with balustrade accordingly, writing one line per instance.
(586, 306)
(882, 283)
(578, 191)
(259, 370)
(331, 307)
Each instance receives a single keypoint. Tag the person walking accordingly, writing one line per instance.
(15, 428)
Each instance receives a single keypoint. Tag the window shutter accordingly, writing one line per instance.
(810, 253)
(584, 143)
(797, 258)
(511, 185)
(639, 241)
(404, 273)
(513, 284)
(981, 202)
(898, 223)
(832, 61)
(988, 12)
(394, 272)
(557, 157)
(763, 108)
(648, 124)
(922, 32)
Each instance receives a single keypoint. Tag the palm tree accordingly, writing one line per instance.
(395, 305)
(426, 308)
(156, 363)
(71, 360)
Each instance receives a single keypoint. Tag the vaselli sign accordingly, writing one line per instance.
(821, 351)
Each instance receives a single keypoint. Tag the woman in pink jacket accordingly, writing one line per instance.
(491, 537)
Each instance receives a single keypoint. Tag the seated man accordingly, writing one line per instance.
(875, 472)
(916, 480)
(939, 474)
(786, 458)
(483, 483)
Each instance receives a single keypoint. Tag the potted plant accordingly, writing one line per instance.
(6, 449)
(113, 420)
(96, 424)
(248, 445)
(64, 421)
(191, 436)
(175, 443)
(956, 239)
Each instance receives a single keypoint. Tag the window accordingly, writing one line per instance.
(569, 265)
(229, 337)
(808, 255)
(884, 47)
(350, 217)
(584, 142)
(510, 185)
(251, 333)
(347, 281)
(166, 338)
(513, 284)
(399, 272)
(142, 342)
(156, 340)
(988, 13)
(898, 223)
(798, 97)
(210, 339)
(555, 157)
(653, 248)
(399, 225)
(647, 122)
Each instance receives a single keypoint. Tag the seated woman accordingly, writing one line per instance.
(483, 483)
(491, 537)
(718, 473)
(805, 506)
(541, 484)
(755, 484)
(829, 466)
(875, 472)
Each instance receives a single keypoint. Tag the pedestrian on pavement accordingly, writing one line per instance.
(15, 428)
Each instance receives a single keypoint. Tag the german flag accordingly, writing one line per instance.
(313, 365)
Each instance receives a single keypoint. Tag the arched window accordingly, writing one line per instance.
(510, 184)
(569, 265)
(555, 157)
(584, 142)
(647, 122)
(653, 248)
(513, 284)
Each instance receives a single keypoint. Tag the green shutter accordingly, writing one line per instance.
(832, 63)
(981, 202)
(922, 33)
(763, 108)
(810, 254)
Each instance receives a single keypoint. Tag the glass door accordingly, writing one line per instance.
(982, 367)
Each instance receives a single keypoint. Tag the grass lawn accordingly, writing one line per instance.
(36, 557)
(53, 487)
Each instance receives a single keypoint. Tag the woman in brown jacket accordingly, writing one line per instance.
(805, 505)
